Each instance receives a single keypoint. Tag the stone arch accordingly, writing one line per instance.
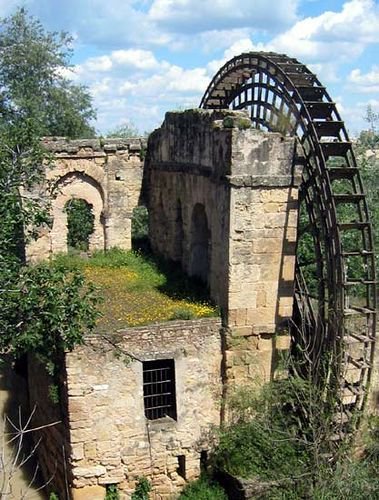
(200, 246)
(81, 186)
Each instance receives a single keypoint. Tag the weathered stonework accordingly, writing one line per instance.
(107, 175)
(222, 200)
(111, 440)
(246, 182)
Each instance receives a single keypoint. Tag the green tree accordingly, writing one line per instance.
(372, 118)
(80, 223)
(32, 65)
(44, 309)
(126, 131)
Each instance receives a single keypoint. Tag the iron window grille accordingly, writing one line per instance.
(159, 389)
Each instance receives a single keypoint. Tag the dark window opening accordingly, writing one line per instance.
(203, 460)
(181, 470)
(159, 389)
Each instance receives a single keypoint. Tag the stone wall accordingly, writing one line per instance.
(246, 182)
(112, 440)
(107, 175)
(53, 448)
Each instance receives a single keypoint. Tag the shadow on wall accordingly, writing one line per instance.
(200, 250)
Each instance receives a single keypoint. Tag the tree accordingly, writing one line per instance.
(44, 309)
(126, 131)
(372, 118)
(32, 64)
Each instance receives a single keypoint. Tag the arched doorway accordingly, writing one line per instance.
(87, 193)
(80, 224)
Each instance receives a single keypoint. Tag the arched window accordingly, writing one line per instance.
(80, 223)
(200, 244)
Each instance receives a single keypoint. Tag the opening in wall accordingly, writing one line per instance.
(80, 223)
(159, 395)
(140, 227)
(203, 460)
(181, 470)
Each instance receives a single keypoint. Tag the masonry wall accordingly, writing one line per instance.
(112, 441)
(53, 448)
(247, 182)
(107, 175)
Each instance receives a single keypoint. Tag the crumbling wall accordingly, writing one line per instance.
(112, 440)
(107, 175)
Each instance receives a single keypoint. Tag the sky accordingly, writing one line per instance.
(141, 58)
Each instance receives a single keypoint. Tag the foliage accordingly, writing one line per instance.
(53, 496)
(183, 313)
(372, 118)
(350, 479)
(112, 492)
(142, 489)
(140, 223)
(126, 131)
(32, 64)
(369, 169)
(138, 290)
(281, 436)
(80, 223)
(203, 489)
(46, 310)
(263, 439)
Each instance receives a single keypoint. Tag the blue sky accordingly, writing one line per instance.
(141, 58)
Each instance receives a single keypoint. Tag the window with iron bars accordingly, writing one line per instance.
(159, 389)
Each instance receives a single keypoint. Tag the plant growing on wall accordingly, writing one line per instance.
(142, 489)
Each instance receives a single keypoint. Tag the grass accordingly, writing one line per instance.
(203, 489)
(138, 290)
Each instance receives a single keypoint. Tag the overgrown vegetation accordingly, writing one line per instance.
(46, 308)
(282, 438)
(80, 223)
(203, 489)
(140, 224)
(112, 492)
(138, 290)
(141, 492)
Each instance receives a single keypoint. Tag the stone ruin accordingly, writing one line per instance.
(107, 174)
(222, 202)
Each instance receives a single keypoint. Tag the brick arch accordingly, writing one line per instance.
(81, 186)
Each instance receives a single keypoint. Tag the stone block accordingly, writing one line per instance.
(89, 471)
(88, 493)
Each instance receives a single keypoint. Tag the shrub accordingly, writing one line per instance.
(203, 489)
(112, 492)
(142, 490)
(140, 223)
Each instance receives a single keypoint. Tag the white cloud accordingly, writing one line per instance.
(365, 83)
(238, 47)
(141, 59)
(195, 16)
(338, 35)
(117, 60)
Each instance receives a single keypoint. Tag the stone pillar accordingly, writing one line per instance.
(262, 244)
